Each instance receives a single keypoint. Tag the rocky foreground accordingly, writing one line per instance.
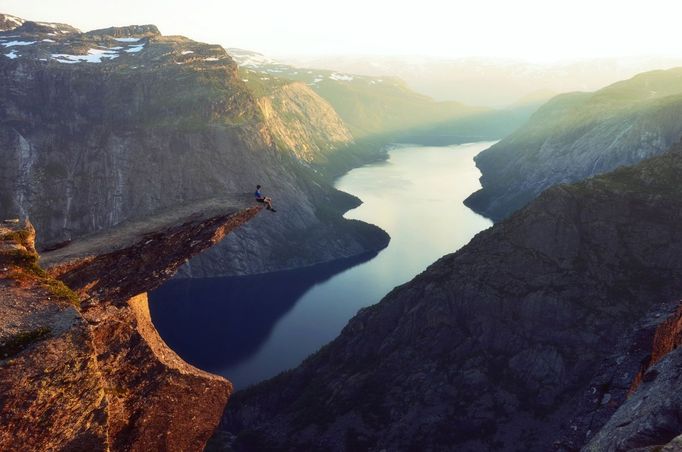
(532, 337)
(83, 368)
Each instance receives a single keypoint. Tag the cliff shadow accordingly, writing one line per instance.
(215, 323)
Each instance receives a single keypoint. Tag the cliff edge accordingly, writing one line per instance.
(85, 369)
(111, 125)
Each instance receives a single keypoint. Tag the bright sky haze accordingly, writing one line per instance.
(533, 30)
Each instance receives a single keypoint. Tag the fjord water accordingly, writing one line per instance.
(251, 328)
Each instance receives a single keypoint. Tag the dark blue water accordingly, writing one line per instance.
(251, 328)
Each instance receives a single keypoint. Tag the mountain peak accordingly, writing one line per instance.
(130, 47)
(46, 27)
(137, 31)
(9, 22)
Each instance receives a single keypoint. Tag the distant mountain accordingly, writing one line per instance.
(369, 105)
(380, 110)
(101, 127)
(577, 135)
(8, 22)
(528, 338)
(487, 81)
(299, 119)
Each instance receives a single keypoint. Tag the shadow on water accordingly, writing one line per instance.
(215, 323)
(251, 328)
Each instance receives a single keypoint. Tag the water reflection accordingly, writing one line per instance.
(215, 323)
(249, 329)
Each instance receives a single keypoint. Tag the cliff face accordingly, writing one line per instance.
(377, 111)
(110, 125)
(578, 135)
(500, 344)
(370, 106)
(86, 369)
(302, 121)
(651, 417)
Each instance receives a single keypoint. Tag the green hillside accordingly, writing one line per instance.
(577, 135)
(378, 110)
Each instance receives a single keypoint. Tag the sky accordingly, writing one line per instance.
(532, 30)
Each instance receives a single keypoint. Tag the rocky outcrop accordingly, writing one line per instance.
(495, 346)
(617, 376)
(666, 338)
(111, 125)
(649, 417)
(86, 369)
(52, 395)
(575, 136)
(138, 256)
(8, 22)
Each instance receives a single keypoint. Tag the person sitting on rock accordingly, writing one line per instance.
(264, 199)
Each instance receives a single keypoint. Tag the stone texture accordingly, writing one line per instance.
(651, 417)
(492, 347)
(87, 146)
(577, 135)
(87, 370)
(613, 380)
(652, 414)
(300, 120)
(138, 256)
(156, 401)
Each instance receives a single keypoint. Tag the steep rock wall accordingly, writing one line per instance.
(302, 121)
(86, 369)
(578, 135)
(101, 127)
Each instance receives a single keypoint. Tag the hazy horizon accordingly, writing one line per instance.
(531, 31)
(500, 55)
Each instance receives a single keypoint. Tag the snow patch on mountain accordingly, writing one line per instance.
(17, 43)
(341, 77)
(135, 49)
(93, 56)
(249, 59)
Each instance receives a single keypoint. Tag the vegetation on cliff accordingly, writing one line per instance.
(376, 111)
(577, 135)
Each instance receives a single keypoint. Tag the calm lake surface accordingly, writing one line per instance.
(251, 328)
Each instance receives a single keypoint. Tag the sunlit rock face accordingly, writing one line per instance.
(110, 125)
(8, 22)
(303, 122)
(85, 369)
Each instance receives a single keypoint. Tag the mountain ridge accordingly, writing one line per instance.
(578, 135)
(495, 346)
(99, 125)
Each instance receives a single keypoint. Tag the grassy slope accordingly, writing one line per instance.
(649, 101)
(383, 110)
